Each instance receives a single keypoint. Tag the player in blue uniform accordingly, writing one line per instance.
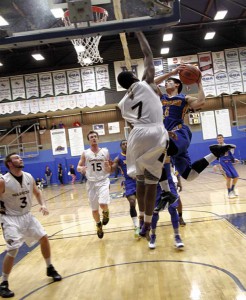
(172, 209)
(175, 105)
(226, 161)
(130, 184)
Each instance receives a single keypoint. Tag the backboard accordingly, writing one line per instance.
(137, 15)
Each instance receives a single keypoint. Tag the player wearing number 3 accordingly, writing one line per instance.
(18, 224)
(147, 141)
(95, 164)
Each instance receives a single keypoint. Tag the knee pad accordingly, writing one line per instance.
(133, 212)
(12, 253)
(150, 178)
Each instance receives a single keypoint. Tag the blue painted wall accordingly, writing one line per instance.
(198, 148)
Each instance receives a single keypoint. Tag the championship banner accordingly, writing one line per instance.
(209, 90)
(53, 104)
(46, 84)
(220, 73)
(62, 102)
(90, 99)
(74, 81)
(58, 141)
(34, 106)
(60, 83)
(3, 108)
(81, 100)
(44, 105)
(5, 90)
(71, 101)
(31, 83)
(102, 77)
(234, 70)
(100, 98)
(76, 141)
(206, 68)
(242, 58)
(137, 68)
(16, 105)
(10, 107)
(25, 107)
(88, 79)
(17, 87)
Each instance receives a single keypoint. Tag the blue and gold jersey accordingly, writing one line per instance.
(174, 109)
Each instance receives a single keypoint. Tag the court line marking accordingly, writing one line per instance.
(228, 273)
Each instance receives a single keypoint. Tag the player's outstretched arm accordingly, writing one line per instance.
(149, 68)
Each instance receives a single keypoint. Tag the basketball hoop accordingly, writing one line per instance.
(87, 47)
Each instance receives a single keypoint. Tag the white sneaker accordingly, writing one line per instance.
(235, 193)
(231, 195)
(136, 232)
(152, 244)
(178, 242)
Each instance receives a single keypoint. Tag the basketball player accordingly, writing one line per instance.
(147, 141)
(172, 209)
(18, 224)
(94, 164)
(175, 105)
(226, 161)
(130, 185)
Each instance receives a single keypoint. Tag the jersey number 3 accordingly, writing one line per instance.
(140, 106)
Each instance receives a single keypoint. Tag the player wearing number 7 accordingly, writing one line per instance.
(95, 164)
(147, 141)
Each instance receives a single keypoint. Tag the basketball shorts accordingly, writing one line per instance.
(98, 192)
(145, 146)
(130, 187)
(229, 170)
(18, 230)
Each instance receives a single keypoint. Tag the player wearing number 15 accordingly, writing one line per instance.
(94, 163)
(147, 140)
(18, 224)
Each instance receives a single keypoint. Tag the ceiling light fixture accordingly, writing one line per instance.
(57, 12)
(164, 50)
(38, 56)
(167, 37)
(3, 22)
(1, 64)
(209, 35)
(220, 14)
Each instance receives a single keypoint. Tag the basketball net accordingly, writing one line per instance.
(87, 47)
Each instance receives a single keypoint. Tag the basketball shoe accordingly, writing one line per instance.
(220, 150)
(51, 272)
(105, 219)
(178, 242)
(181, 221)
(144, 232)
(136, 232)
(100, 232)
(5, 292)
(152, 244)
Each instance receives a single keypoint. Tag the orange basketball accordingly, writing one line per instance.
(189, 74)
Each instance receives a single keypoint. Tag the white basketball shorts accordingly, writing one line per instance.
(98, 192)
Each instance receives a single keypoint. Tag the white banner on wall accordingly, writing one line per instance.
(60, 83)
(208, 125)
(31, 83)
(102, 77)
(113, 127)
(74, 81)
(88, 79)
(46, 84)
(58, 141)
(5, 90)
(223, 124)
(17, 87)
(76, 141)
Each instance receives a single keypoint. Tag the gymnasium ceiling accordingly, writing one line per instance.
(196, 19)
